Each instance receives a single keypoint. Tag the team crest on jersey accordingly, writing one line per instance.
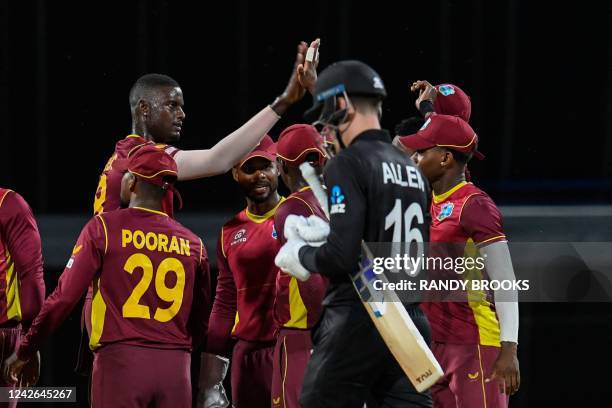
(338, 206)
(446, 90)
(274, 234)
(240, 236)
(446, 211)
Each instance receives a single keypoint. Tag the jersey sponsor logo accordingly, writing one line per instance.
(274, 234)
(69, 264)
(446, 211)
(240, 236)
(337, 200)
(446, 90)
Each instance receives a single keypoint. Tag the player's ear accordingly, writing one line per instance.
(132, 182)
(143, 107)
(446, 158)
(234, 174)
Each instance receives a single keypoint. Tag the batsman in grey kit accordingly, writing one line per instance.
(351, 364)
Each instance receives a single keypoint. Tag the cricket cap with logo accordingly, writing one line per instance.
(266, 149)
(151, 164)
(451, 100)
(350, 77)
(298, 142)
(447, 131)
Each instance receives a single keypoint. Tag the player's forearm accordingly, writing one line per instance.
(32, 294)
(498, 264)
(193, 164)
(218, 338)
(329, 260)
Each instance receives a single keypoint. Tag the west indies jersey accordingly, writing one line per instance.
(468, 217)
(244, 301)
(22, 288)
(297, 304)
(151, 283)
(109, 185)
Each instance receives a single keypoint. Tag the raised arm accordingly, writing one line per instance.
(193, 164)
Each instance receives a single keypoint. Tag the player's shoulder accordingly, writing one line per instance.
(126, 146)
(13, 200)
(475, 194)
(301, 202)
(477, 201)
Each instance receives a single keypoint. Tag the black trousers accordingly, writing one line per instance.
(351, 364)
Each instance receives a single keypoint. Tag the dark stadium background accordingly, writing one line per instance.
(538, 74)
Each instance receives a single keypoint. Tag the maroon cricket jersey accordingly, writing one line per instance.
(109, 185)
(22, 288)
(297, 304)
(467, 216)
(244, 301)
(151, 283)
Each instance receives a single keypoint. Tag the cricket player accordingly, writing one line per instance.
(156, 103)
(350, 362)
(297, 304)
(21, 268)
(475, 341)
(242, 318)
(151, 294)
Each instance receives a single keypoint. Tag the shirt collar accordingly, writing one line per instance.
(380, 135)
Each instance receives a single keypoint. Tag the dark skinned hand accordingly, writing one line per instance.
(506, 369)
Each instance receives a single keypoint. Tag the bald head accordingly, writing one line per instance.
(147, 85)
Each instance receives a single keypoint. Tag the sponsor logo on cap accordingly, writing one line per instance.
(377, 82)
(446, 90)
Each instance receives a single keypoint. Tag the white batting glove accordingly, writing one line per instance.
(292, 222)
(211, 393)
(288, 259)
(314, 231)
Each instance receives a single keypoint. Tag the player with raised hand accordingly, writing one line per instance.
(151, 294)
(297, 305)
(21, 268)
(242, 318)
(350, 362)
(156, 103)
(475, 341)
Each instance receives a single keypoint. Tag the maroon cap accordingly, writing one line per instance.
(266, 149)
(153, 165)
(297, 141)
(451, 100)
(447, 131)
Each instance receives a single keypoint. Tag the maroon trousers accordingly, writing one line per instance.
(251, 374)
(291, 355)
(133, 377)
(466, 366)
(9, 339)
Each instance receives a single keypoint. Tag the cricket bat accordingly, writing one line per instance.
(387, 311)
